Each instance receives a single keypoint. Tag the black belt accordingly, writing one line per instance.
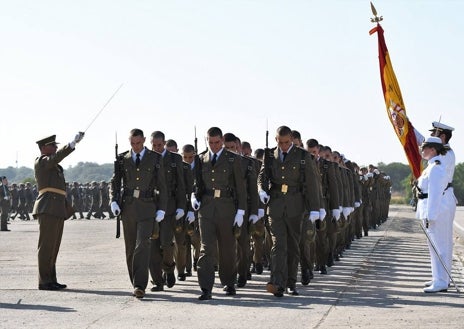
(421, 195)
(221, 193)
(141, 194)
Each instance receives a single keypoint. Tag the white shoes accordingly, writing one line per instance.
(428, 283)
(435, 288)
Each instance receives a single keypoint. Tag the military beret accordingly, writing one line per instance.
(47, 141)
(440, 126)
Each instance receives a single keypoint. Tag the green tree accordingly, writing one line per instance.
(458, 183)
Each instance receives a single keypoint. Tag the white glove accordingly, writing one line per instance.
(76, 139)
(313, 216)
(346, 211)
(369, 175)
(322, 213)
(336, 213)
(115, 208)
(239, 217)
(6, 197)
(159, 215)
(253, 218)
(351, 210)
(357, 204)
(195, 203)
(263, 196)
(179, 213)
(190, 217)
(260, 213)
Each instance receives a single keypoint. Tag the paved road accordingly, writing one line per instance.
(377, 284)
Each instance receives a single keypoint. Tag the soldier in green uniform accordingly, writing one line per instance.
(256, 228)
(162, 263)
(139, 174)
(328, 227)
(180, 231)
(331, 191)
(50, 207)
(251, 212)
(220, 197)
(193, 243)
(5, 203)
(287, 181)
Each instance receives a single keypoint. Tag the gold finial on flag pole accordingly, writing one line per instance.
(375, 19)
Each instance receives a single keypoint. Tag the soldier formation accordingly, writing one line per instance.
(225, 210)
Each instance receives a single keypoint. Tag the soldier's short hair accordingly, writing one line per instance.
(136, 132)
(229, 137)
(188, 148)
(312, 143)
(157, 135)
(259, 154)
(296, 134)
(326, 148)
(171, 143)
(246, 145)
(284, 131)
(214, 132)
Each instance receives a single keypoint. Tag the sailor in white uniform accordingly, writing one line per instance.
(433, 208)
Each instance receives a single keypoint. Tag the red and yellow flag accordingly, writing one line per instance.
(395, 106)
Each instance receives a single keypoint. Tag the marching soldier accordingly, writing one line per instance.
(139, 175)
(193, 242)
(76, 197)
(251, 212)
(220, 197)
(327, 227)
(257, 229)
(5, 203)
(162, 263)
(288, 181)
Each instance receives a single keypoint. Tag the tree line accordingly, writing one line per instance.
(85, 172)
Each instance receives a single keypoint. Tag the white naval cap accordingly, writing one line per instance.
(440, 126)
(432, 140)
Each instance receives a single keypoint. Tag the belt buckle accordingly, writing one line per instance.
(136, 194)
(217, 193)
(284, 188)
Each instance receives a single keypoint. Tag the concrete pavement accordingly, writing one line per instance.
(377, 284)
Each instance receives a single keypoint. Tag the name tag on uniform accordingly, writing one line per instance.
(136, 194)
(284, 188)
(217, 193)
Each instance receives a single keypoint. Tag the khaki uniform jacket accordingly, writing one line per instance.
(226, 175)
(148, 178)
(251, 181)
(188, 179)
(175, 183)
(48, 173)
(329, 183)
(288, 172)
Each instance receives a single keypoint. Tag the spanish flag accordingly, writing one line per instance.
(395, 106)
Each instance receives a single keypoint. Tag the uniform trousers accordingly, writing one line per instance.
(50, 234)
(285, 251)
(162, 250)
(137, 241)
(218, 243)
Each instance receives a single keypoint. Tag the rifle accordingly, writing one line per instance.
(117, 174)
(268, 156)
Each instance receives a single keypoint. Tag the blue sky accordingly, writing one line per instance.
(237, 65)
